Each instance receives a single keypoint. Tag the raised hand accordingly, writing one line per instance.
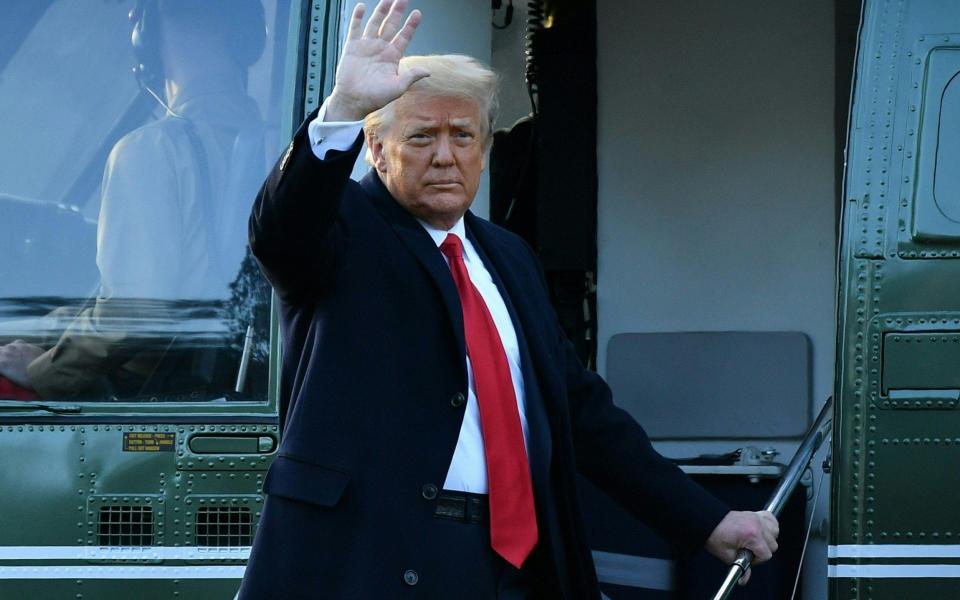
(368, 76)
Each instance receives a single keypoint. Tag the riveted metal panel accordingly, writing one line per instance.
(321, 52)
(897, 427)
(936, 210)
(43, 472)
(86, 462)
(930, 207)
(875, 160)
(921, 362)
(189, 459)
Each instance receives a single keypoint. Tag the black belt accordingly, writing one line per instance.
(462, 506)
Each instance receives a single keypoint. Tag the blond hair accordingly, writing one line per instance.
(451, 75)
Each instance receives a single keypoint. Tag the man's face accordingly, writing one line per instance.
(431, 157)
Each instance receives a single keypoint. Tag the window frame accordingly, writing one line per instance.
(311, 59)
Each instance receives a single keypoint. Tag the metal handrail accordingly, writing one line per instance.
(791, 477)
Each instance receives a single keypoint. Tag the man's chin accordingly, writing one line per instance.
(447, 200)
(443, 210)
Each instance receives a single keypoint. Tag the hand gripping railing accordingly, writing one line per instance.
(791, 477)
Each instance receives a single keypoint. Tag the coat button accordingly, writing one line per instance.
(410, 577)
(458, 400)
(429, 491)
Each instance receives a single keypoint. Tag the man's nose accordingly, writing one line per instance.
(443, 152)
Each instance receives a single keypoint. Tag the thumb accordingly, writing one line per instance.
(412, 75)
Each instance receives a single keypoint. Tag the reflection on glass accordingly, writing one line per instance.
(126, 270)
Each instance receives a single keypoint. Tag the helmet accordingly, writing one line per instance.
(242, 22)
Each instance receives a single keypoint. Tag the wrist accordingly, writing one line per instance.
(343, 109)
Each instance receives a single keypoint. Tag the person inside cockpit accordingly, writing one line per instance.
(171, 233)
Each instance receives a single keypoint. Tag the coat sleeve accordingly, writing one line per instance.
(293, 225)
(614, 452)
(84, 355)
(139, 242)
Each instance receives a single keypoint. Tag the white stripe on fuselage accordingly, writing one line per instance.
(893, 571)
(124, 553)
(123, 572)
(894, 551)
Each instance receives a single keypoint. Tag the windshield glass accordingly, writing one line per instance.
(136, 134)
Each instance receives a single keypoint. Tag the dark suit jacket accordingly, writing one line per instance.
(373, 356)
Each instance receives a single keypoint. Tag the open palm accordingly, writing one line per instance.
(368, 76)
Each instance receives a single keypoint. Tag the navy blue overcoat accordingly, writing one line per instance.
(371, 403)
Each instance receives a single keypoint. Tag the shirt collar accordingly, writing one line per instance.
(219, 100)
(438, 235)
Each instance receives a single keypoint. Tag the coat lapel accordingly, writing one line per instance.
(421, 245)
(529, 316)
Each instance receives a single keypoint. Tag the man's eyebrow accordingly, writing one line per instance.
(465, 122)
(419, 125)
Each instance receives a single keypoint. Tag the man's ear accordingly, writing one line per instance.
(375, 143)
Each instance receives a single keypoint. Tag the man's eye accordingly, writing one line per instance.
(419, 136)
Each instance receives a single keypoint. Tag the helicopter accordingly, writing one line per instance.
(742, 208)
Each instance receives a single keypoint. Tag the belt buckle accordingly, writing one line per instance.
(451, 507)
(461, 506)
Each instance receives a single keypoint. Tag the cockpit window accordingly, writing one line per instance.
(136, 134)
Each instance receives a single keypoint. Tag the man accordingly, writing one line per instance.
(170, 213)
(435, 417)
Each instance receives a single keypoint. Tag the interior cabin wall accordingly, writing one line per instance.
(461, 27)
(716, 167)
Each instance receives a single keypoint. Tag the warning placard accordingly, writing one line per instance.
(149, 442)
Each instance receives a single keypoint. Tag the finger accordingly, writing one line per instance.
(770, 535)
(403, 37)
(769, 540)
(746, 577)
(773, 530)
(376, 19)
(770, 520)
(392, 23)
(411, 76)
(356, 19)
(761, 553)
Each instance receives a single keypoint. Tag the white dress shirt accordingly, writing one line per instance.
(468, 467)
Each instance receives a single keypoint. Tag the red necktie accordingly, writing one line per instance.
(513, 520)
